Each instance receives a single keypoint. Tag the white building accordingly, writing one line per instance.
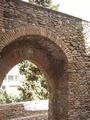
(12, 80)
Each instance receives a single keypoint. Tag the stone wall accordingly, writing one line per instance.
(1, 18)
(58, 48)
(17, 110)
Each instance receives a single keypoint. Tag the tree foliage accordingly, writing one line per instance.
(5, 98)
(45, 3)
(35, 85)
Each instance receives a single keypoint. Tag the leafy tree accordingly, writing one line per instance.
(45, 3)
(34, 86)
(5, 98)
(2, 97)
(55, 7)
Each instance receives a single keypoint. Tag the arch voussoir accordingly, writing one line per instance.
(12, 35)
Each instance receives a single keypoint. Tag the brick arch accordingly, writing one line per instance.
(10, 58)
(45, 54)
(16, 56)
(50, 57)
(14, 34)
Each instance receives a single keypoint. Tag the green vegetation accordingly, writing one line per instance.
(5, 98)
(45, 3)
(34, 86)
(2, 97)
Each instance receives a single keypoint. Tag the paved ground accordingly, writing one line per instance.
(33, 117)
(31, 110)
(36, 105)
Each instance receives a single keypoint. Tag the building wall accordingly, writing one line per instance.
(12, 81)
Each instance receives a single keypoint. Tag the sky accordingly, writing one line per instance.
(77, 8)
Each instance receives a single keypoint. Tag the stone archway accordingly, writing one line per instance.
(50, 59)
(70, 87)
(12, 35)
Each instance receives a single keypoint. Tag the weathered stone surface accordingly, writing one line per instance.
(16, 111)
(56, 44)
